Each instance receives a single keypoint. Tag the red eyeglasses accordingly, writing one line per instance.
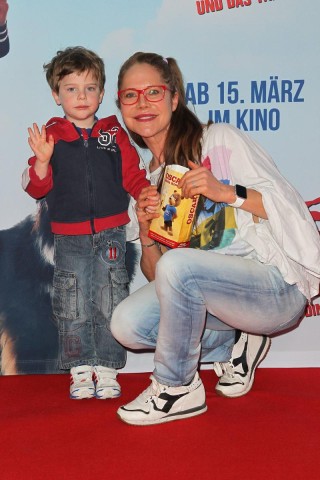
(153, 93)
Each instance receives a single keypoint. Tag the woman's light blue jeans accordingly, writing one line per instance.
(197, 300)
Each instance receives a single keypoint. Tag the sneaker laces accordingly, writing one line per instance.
(156, 388)
(152, 391)
(107, 377)
(224, 369)
(81, 374)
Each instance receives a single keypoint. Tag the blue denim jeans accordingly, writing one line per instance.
(197, 300)
(90, 279)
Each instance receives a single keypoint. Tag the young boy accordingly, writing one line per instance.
(85, 168)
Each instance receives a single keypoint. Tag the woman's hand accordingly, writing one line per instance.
(147, 207)
(200, 181)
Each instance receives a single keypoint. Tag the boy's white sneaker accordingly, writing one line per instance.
(105, 382)
(160, 403)
(81, 382)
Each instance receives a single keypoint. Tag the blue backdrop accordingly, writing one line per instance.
(253, 63)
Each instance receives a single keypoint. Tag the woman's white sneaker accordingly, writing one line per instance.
(160, 403)
(237, 375)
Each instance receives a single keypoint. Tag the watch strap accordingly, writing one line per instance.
(239, 201)
(241, 195)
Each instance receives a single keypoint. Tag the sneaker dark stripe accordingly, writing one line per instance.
(259, 356)
(170, 401)
(190, 410)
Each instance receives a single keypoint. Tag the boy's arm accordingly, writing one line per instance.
(134, 177)
(32, 184)
(37, 179)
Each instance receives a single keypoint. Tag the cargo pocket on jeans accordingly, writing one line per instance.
(64, 302)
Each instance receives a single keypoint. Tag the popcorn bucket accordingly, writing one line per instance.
(174, 226)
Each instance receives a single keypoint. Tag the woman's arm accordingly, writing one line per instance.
(146, 207)
(150, 254)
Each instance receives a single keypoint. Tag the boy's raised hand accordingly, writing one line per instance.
(3, 11)
(41, 147)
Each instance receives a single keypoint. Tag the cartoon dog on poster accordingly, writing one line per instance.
(28, 334)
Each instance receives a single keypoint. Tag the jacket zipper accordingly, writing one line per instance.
(85, 138)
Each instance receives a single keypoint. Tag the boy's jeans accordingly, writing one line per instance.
(201, 297)
(90, 279)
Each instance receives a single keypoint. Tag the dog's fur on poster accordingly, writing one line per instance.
(27, 329)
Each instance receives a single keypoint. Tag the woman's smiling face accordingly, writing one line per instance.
(150, 120)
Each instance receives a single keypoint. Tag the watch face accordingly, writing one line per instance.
(241, 191)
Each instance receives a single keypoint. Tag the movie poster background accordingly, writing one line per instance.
(253, 63)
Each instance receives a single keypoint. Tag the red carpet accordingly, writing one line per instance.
(272, 433)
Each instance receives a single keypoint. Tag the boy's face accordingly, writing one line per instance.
(80, 97)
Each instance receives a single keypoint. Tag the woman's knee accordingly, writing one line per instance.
(171, 264)
(136, 318)
(119, 322)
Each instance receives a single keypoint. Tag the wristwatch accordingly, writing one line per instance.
(241, 194)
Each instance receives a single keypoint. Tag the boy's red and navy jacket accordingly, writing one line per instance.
(89, 178)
